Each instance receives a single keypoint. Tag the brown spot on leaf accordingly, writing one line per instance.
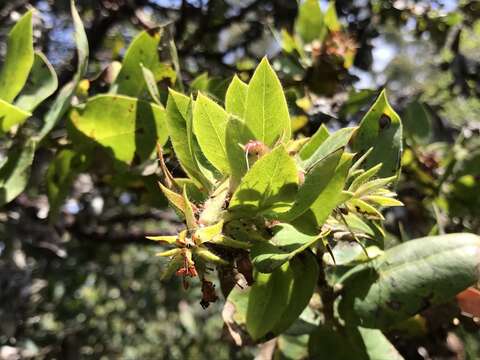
(384, 122)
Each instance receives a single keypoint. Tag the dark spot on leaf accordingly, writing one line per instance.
(384, 122)
(141, 130)
(127, 77)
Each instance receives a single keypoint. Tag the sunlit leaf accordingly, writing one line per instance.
(18, 60)
(236, 97)
(209, 125)
(62, 102)
(42, 82)
(11, 115)
(125, 126)
(266, 110)
(269, 186)
(381, 129)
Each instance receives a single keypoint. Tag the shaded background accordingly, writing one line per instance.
(86, 286)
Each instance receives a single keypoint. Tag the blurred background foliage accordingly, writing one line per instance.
(84, 284)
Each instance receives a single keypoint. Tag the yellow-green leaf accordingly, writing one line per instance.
(19, 59)
(266, 110)
(268, 187)
(209, 126)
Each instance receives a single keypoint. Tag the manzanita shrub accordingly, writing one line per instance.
(290, 226)
(293, 226)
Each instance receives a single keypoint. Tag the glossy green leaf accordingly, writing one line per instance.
(11, 115)
(236, 135)
(312, 220)
(178, 112)
(334, 142)
(351, 343)
(42, 82)
(305, 276)
(18, 60)
(266, 110)
(314, 143)
(15, 172)
(408, 278)
(236, 97)
(284, 245)
(126, 126)
(381, 129)
(317, 180)
(143, 50)
(277, 299)
(62, 101)
(268, 187)
(310, 22)
(209, 126)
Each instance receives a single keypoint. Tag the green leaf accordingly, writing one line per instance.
(177, 201)
(126, 126)
(19, 59)
(268, 187)
(381, 129)
(314, 143)
(312, 220)
(11, 115)
(60, 175)
(310, 23)
(62, 101)
(152, 87)
(178, 112)
(283, 246)
(292, 347)
(209, 126)
(334, 142)
(215, 87)
(15, 172)
(236, 97)
(208, 256)
(418, 124)
(331, 18)
(277, 299)
(42, 82)
(143, 50)
(236, 135)
(408, 278)
(266, 110)
(317, 180)
(190, 220)
(208, 233)
(351, 343)
(305, 276)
